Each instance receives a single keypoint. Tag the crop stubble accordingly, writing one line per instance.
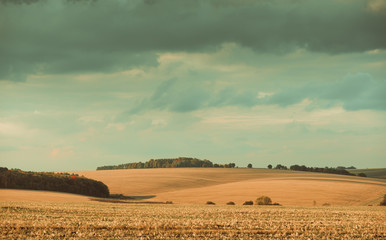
(108, 220)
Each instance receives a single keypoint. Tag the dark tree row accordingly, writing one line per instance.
(59, 182)
(181, 162)
(322, 170)
(339, 170)
(342, 167)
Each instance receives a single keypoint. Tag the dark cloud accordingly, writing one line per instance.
(232, 97)
(61, 37)
(17, 1)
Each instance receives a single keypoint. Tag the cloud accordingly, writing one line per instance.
(60, 152)
(8, 148)
(55, 152)
(11, 129)
(354, 92)
(108, 36)
(175, 95)
(117, 126)
(378, 6)
(18, 1)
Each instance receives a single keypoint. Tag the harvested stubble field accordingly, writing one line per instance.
(88, 220)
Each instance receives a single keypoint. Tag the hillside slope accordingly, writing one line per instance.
(370, 172)
(198, 185)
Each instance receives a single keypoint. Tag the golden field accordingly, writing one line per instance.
(47, 220)
(221, 185)
(27, 214)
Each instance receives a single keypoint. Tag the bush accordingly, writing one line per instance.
(210, 203)
(263, 200)
(248, 203)
(362, 174)
(231, 203)
(168, 202)
(383, 202)
(326, 204)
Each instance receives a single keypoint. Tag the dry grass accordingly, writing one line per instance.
(198, 185)
(113, 221)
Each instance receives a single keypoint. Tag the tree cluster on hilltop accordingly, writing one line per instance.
(338, 170)
(181, 162)
(342, 167)
(49, 181)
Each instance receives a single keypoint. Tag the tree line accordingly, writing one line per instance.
(332, 170)
(339, 170)
(181, 162)
(49, 181)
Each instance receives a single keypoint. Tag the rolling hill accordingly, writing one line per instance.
(370, 172)
(198, 185)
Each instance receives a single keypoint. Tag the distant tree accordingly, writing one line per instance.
(3, 177)
(167, 163)
(338, 170)
(249, 165)
(279, 166)
(269, 166)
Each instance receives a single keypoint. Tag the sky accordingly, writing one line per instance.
(89, 83)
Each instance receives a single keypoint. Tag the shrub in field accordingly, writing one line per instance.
(169, 202)
(210, 203)
(263, 200)
(326, 204)
(383, 202)
(248, 203)
(362, 174)
(231, 203)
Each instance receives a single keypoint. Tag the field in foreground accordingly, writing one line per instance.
(199, 185)
(37, 220)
